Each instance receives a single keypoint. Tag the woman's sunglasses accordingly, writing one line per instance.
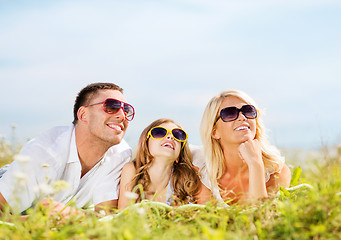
(112, 106)
(161, 132)
(231, 113)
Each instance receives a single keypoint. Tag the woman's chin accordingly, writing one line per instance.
(246, 138)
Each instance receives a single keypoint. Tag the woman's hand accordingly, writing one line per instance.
(251, 152)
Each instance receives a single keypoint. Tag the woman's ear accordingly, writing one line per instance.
(215, 134)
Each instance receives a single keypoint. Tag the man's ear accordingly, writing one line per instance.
(82, 114)
(215, 134)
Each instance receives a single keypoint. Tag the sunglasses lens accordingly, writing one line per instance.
(249, 111)
(229, 114)
(158, 132)
(179, 134)
(111, 106)
(129, 111)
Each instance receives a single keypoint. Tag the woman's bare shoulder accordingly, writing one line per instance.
(281, 178)
(129, 169)
(129, 166)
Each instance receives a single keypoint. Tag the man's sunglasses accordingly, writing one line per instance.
(161, 132)
(231, 113)
(112, 106)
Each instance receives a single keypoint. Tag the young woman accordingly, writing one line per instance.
(162, 170)
(240, 164)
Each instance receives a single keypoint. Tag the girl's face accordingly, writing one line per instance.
(166, 147)
(237, 131)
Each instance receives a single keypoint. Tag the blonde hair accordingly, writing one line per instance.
(213, 153)
(184, 180)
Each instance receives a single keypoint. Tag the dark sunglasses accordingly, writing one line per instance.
(112, 106)
(231, 113)
(161, 132)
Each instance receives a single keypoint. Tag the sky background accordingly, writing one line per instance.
(171, 58)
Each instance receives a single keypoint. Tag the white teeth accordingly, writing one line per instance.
(115, 127)
(167, 145)
(242, 128)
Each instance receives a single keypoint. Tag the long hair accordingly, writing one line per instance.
(184, 178)
(213, 153)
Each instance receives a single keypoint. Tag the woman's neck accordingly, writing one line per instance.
(160, 173)
(233, 160)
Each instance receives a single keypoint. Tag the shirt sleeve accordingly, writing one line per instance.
(197, 154)
(108, 188)
(21, 183)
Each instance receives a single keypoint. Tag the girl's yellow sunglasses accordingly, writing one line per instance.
(159, 132)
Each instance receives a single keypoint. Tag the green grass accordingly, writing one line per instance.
(297, 214)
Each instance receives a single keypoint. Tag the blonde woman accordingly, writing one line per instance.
(240, 164)
(162, 167)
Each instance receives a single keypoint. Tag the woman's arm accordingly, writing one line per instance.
(107, 206)
(251, 153)
(3, 203)
(257, 185)
(204, 194)
(128, 174)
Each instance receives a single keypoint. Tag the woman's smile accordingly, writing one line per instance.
(243, 127)
(168, 144)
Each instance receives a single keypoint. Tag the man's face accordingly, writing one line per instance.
(102, 126)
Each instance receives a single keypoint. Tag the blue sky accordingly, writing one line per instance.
(171, 57)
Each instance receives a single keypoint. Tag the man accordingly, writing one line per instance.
(88, 156)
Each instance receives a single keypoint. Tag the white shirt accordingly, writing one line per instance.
(53, 156)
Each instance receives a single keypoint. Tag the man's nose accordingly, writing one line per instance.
(120, 114)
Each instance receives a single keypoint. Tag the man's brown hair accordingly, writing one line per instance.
(85, 95)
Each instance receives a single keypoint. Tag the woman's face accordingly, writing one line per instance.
(237, 131)
(166, 147)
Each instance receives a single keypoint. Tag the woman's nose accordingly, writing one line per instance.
(241, 116)
(170, 136)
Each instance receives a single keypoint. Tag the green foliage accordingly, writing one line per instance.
(295, 176)
(302, 212)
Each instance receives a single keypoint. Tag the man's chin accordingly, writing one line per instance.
(111, 141)
(116, 140)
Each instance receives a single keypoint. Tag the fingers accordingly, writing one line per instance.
(250, 151)
(57, 208)
(250, 145)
